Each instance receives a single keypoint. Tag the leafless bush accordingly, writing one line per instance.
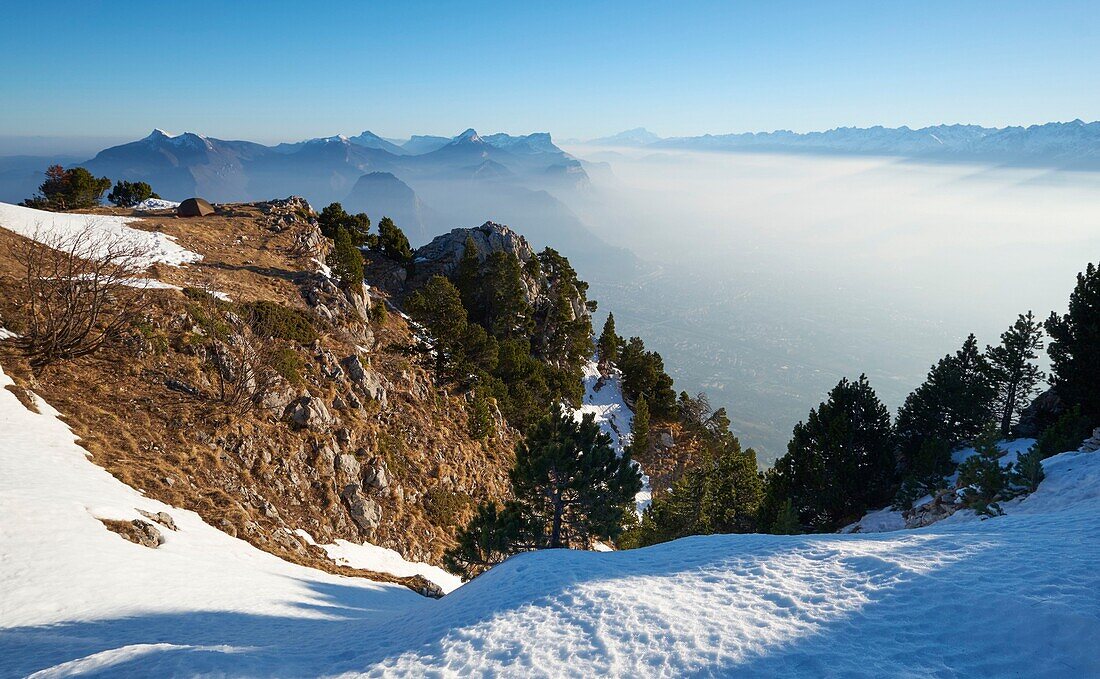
(81, 290)
(246, 366)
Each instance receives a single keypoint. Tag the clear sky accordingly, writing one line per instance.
(272, 71)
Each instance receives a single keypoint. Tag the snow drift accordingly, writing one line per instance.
(29, 222)
(1009, 596)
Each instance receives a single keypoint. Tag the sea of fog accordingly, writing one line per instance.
(771, 276)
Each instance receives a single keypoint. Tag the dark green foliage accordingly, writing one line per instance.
(492, 536)
(479, 417)
(954, 404)
(1074, 347)
(378, 313)
(392, 242)
(129, 194)
(927, 469)
(334, 219)
(983, 480)
(565, 333)
(722, 494)
(570, 489)
(439, 309)
(1027, 473)
(1012, 366)
(272, 320)
(1067, 433)
(839, 462)
(607, 348)
(443, 506)
(72, 189)
(467, 278)
(502, 306)
(786, 520)
(639, 436)
(569, 479)
(288, 364)
(345, 260)
(644, 376)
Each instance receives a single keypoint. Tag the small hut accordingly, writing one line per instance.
(194, 207)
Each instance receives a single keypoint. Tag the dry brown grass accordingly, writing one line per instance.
(180, 451)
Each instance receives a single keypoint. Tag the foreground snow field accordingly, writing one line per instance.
(1010, 596)
(28, 222)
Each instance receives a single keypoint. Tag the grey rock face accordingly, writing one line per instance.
(309, 412)
(442, 255)
(1040, 414)
(365, 512)
(368, 381)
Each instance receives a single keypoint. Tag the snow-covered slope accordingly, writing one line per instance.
(1010, 596)
(29, 222)
(603, 399)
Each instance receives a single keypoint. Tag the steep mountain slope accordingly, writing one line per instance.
(383, 195)
(1010, 595)
(353, 442)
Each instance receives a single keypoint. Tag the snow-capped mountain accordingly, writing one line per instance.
(1073, 144)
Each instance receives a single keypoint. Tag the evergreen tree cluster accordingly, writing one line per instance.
(490, 335)
(72, 189)
(847, 458)
(129, 194)
(569, 489)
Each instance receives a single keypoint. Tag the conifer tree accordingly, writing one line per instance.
(608, 344)
(786, 520)
(1074, 347)
(954, 405)
(1012, 366)
(129, 194)
(467, 278)
(345, 260)
(439, 309)
(644, 375)
(393, 243)
(840, 461)
(507, 312)
(568, 479)
(72, 189)
(334, 218)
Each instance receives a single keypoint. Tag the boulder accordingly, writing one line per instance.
(309, 412)
(376, 476)
(365, 512)
(1040, 414)
(368, 381)
(347, 466)
(163, 518)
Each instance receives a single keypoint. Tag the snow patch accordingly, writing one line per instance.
(603, 399)
(156, 204)
(27, 222)
(382, 560)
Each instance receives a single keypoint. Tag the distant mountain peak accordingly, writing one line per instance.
(470, 136)
(639, 136)
(158, 136)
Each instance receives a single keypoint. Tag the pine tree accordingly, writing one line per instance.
(568, 479)
(345, 260)
(1074, 347)
(786, 520)
(954, 405)
(840, 461)
(639, 431)
(129, 194)
(608, 344)
(72, 189)
(1012, 366)
(479, 418)
(644, 375)
(393, 243)
(507, 311)
(333, 219)
(467, 278)
(439, 309)
(492, 536)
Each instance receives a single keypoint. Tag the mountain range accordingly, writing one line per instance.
(1074, 145)
(426, 184)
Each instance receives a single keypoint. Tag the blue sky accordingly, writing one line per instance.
(274, 70)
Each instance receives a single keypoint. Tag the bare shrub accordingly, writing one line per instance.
(246, 365)
(81, 291)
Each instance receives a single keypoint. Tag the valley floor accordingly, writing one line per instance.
(1010, 596)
